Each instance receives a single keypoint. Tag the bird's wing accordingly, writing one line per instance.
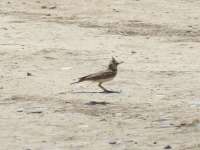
(98, 76)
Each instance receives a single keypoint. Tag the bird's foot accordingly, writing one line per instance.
(109, 91)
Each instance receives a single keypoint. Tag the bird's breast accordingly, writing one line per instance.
(104, 80)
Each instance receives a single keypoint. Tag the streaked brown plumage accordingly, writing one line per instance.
(102, 76)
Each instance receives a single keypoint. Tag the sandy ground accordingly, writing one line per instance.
(57, 41)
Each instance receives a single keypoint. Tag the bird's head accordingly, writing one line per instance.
(113, 64)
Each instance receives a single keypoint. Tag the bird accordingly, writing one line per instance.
(103, 76)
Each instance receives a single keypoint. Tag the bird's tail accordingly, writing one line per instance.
(75, 82)
(79, 80)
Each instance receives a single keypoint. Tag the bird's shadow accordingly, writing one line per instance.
(102, 92)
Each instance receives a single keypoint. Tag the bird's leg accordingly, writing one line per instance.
(103, 88)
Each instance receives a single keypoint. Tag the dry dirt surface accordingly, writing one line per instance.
(47, 44)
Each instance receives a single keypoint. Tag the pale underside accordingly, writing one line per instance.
(103, 80)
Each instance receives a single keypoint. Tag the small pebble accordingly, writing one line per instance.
(43, 7)
(130, 141)
(168, 147)
(97, 103)
(4, 28)
(188, 31)
(113, 142)
(20, 110)
(133, 52)
(103, 119)
(52, 7)
(29, 74)
(115, 10)
(36, 112)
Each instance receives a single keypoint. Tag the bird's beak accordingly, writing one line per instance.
(121, 62)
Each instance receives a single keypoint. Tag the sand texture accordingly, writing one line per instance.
(47, 44)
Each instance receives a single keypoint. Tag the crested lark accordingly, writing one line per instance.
(102, 76)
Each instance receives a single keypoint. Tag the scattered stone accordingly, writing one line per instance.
(133, 52)
(155, 142)
(103, 119)
(183, 124)
(188, 31)
(4, 28)
(29, 74)
(44, 7)
(194, 123)
(59, 110)
(113, 142)
(1, 87)
(52, 7)
(115, 10)
(130, 141)
(97, 103)
(20, 110)
(168, 147)
(36, 112)
(48, 14)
